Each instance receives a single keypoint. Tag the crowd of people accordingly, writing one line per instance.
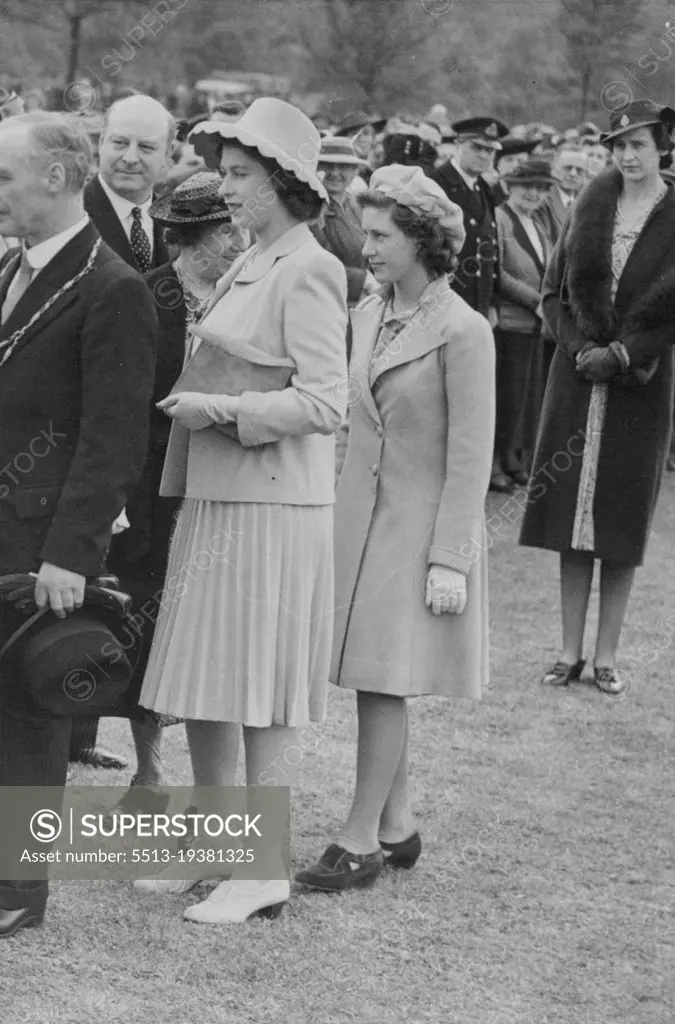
(426, 311)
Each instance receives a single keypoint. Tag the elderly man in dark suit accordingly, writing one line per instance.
(77, 356)
(134, 155)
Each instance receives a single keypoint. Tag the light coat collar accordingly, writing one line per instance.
(422, 334)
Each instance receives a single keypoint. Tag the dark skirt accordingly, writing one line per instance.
(520, 389)
(632, 445)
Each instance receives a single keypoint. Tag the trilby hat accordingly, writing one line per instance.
(277, 130)
(339, 149)
(76, 667)
(528, 173)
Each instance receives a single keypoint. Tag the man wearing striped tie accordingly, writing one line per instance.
(134, 155)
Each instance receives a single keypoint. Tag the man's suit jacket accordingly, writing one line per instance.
(74, 399)
(477, 277)
(109, 227)
(139, 554)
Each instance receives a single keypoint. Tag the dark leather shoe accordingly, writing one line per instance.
(99, 757)
(562, 673)
(501, 482)
(404, 854)
(338, 870)
(12, 921)
(140, 800)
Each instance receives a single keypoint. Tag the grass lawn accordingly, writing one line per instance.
(545, 894)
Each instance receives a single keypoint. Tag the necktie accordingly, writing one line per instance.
(140, 244)
(18, 285)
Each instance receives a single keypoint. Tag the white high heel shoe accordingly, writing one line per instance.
(237, 900)
(171, 886)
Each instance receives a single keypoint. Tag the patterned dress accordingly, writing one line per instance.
(583, 533)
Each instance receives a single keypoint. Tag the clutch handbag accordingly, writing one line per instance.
(220, 367)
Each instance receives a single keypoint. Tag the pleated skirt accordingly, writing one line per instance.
(245, 625)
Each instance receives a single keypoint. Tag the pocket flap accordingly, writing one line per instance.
(31, 502)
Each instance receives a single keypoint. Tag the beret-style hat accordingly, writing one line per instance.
(410, 187)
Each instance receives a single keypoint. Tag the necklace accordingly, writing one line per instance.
(629, 221)
(195, 305)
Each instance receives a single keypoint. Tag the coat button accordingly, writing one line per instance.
(43, 501)
(473, 222)
(374, 469)
(379, 431)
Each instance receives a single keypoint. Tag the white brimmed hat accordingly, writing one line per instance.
(339, 149)
(276, 129)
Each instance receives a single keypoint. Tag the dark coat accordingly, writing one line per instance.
(139, 554)
(578, 308)
(477, 277)
(339, 230)
(74, 401)
(551, 215)
(108, 225)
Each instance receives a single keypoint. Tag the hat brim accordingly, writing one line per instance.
(351, 161)
(377, 126)
(477, 137)
(668, 122)
(535, 179)
(162, 213)
(209, 137)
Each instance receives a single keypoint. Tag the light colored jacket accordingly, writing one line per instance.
(412, 493)
(289, 303)
(521, 272)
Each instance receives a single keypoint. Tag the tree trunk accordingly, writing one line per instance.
(74, 51)
(585, 89)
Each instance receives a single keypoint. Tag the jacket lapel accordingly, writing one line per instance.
(366, 322)
(66, 264)
(7, 273)
(101, 211)
(422, 332)
(523, 239)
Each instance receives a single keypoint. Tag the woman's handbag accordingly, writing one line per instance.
(218, 368)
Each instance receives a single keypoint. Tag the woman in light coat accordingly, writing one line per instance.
(243, 638)
(411, 586)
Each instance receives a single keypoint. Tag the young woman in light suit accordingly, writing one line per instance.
(247, 641)
(411, 584)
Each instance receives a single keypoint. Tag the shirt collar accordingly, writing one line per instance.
(432, 294)
(468, 178)
(38, 256)
(122, 206)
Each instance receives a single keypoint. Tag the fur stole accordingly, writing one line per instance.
(645, 298)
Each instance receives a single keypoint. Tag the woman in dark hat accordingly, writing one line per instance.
(609, 300)
(199, 226)
(524, 251)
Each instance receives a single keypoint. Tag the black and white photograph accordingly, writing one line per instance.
(337, 511)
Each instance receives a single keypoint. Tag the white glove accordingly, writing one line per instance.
(445, 590)
(197, 411)
(121, 523)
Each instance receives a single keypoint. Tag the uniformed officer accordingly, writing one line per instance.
(476, 278)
